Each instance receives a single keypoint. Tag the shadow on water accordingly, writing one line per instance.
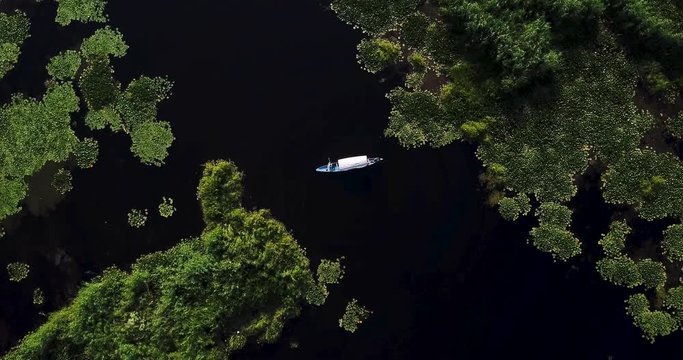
(275, 87)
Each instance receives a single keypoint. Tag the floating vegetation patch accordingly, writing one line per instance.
(166, 208)
(17, 271)
(354, 316)
(137, 218)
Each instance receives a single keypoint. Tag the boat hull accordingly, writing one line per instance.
(334, 167)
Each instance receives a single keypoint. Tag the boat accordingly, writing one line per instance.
(349, 163)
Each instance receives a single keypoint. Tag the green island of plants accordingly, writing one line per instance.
(87, 74)
(551, 93)
(205, 298)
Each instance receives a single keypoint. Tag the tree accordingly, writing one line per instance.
(151, 141)
(98, 86)
(512, 208)
(138, 103)
(374, 16)
(219, 191)
(672, 245)
(206, 297)
(417, 119)
(354, 315)
(620, 270)
(378, 53)
(557, 241)
(103, 43)
(64, 66)
(14, 29)
(86, 152)
(652, 272)
(613, 243)
(17, 271)
(651, 323)
(80, 10)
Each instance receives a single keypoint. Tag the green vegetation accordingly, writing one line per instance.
(137, 218)
(38, 297)
(64, 66)
(511, 208)
(17, 271)
(652, 323)
(354, 315)
(103, 43)
(330, 271)
(151, 141)
(673, 242)
(86, 152)
(23, 119)
(205, 298)
(377, 54)
(80, 10)
(547, 92)
(62, 181)
(166, 208)
(14, 29)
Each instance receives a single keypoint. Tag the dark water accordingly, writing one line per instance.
(275, 86)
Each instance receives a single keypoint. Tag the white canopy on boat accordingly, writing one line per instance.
(351, 162)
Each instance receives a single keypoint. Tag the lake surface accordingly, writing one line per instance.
(275, 87)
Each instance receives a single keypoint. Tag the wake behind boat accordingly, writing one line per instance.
(349, 163)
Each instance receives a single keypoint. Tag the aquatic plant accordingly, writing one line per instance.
(546, 92)
(511, 208)
(38, 297)
(672, 245)
(86, 152)
(97, 84)
(105, 42)
(137, 218)
(64, 66)
(377, 54)
(166, 208)
(62, 181)
(620, 270)
(151, 141)
(316, 294)
(80, 10)
(330, 271)
(17, 271)
(374, 16)
(614, 242)
(206, 297)
(14, 29)
(354, 315)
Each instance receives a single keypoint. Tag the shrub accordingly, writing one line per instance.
(151, 141)
(330, 271)
(377, 54)
(354, 315)
(620, 270)
(672, 245)
(166, 208)
(613, 243)
(86, 152)
(137, 218)
(103, 43)
(64, 66)
(62, 181)
(80, 10)
(17, 271)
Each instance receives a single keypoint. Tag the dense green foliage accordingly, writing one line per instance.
(86, 152)
(64, 66)
(673, 242)
(205, 298)
(17, 271)
(354, 315)
(14, 29)
(80, 10)
(103, 43)
(614, 242)
(652, 323)
(24, 120)
(511, 208)
(137, 218)
(98, 86)
(374, 16)
(166, 208)
(546, 90)
(377, 54)
(151, 141)
(330, 271)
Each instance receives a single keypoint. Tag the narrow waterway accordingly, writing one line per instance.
(275, 87)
